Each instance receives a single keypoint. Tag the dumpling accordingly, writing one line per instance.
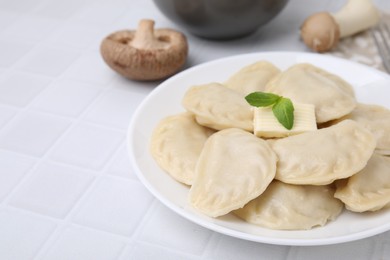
(377, 120)
(369, 189)
(252, 78)
(292, 207)
(176, 144)
(218, 107)
(234, 167)
(304, 83)
(322, 156)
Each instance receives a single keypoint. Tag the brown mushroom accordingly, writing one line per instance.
(320, 32)
(145, 54)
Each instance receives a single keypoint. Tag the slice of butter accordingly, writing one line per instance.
(266, 124)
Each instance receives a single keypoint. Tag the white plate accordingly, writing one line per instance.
(371, 86)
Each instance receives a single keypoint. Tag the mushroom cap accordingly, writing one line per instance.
(320, 32)
(149, 63)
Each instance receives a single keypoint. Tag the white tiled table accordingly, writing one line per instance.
(67, 190)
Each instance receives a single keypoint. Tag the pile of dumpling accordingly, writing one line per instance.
(292, 183)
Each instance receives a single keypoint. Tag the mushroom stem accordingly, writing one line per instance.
(145, 38)
(356, 16)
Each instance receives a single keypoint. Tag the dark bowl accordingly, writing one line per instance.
(220, 19)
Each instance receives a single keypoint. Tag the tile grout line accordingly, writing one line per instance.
(52, 79)
(137, 238)
(61, 223)
(170, 249)
(292, 253)
(99, 174)
(18, 110)
(14, 69)
(45, 156)
(213, 240)
(68, 220)
(37, 45)
(73, 123)
(136, 235)
(22, 109)
(76, 121)
(152, 207)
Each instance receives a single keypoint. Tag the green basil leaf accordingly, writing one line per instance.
(284, 112)
(262, 99)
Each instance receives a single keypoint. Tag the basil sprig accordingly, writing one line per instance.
(282, 108)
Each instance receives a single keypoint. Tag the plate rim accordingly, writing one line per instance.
(213, 226)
